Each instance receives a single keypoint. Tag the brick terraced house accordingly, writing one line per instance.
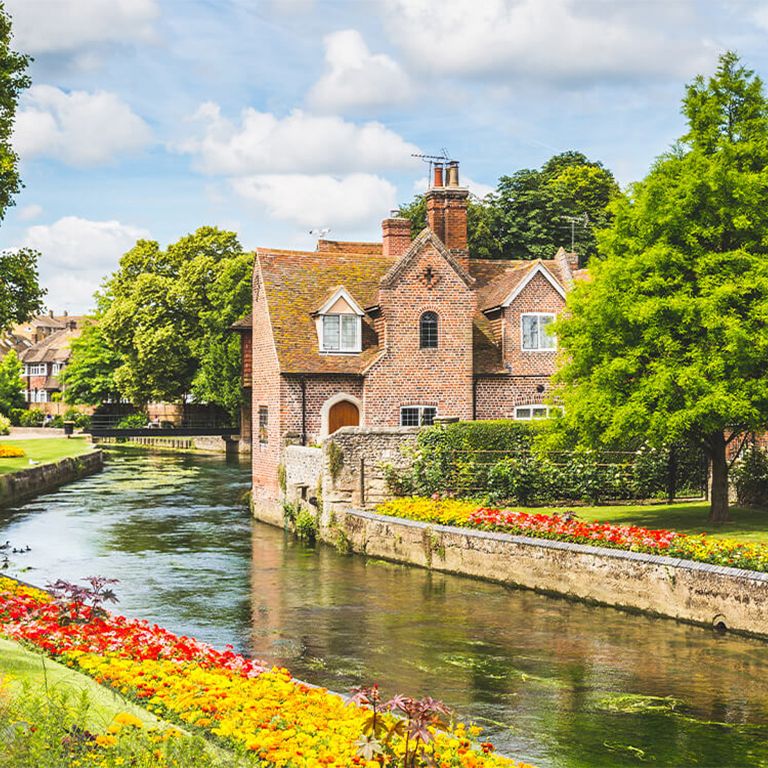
(396, 333)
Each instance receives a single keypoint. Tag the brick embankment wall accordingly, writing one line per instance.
(697, 593)
(26, 483)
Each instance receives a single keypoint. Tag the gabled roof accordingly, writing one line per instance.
(425, 237)
(243, 324)
(52, 349)
(500, 281)
(297, 283)
(340, 292)
(344, 246)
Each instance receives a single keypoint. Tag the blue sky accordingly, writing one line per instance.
(150, 118)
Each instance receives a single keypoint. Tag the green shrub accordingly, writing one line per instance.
(31, 418)
(5, 425)
(133, 421)
(750, 477)
(306, 525)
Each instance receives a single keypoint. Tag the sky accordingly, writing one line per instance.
(281, 118)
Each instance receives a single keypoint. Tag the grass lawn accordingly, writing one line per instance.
(19, 666)
(43, 451)
(691, 517)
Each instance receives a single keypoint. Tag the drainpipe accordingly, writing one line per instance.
(303, 412)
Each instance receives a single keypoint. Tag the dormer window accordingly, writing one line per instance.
(341, 333)
(339, 324)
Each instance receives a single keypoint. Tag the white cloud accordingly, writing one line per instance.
(56, 26)
(357, 78)
(559, 40)
(322, 200)
(76, 256)
(75, 243)
(760, 16)
(78, 128)
(299, 143)
(30, 212)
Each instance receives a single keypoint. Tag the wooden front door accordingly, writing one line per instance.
(343, 414)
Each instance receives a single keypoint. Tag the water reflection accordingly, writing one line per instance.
(556, 682)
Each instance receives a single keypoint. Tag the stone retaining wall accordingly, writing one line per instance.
(26, 483)
(693, 592)
(210, 444)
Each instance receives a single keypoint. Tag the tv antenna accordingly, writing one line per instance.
(321, 232)
(432, 160)
(582, 220)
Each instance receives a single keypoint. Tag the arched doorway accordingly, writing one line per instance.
(343, 414)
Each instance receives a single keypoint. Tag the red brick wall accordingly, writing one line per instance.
(497, 397)
(408, 375)
(537, 296)
(318, 391)
(265, 382)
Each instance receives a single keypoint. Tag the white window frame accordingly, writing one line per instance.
(549, 411)
(56, 368)
(355, 346)
(421, 409)
(35, 369)
(538, 348)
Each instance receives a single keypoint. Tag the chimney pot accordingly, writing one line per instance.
(453, 174)
(438, 180)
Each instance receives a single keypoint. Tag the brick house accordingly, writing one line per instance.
(396, 333)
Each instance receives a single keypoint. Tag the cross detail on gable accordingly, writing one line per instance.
(429, 278)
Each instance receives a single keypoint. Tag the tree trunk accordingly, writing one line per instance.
(672, 474)
(718, 511)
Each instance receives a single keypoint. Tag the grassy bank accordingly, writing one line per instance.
(43, 451)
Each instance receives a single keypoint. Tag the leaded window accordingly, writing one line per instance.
(428, 330)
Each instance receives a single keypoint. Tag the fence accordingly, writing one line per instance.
(527, 477)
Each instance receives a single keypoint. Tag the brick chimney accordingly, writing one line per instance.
(447, 210)
(396, 233)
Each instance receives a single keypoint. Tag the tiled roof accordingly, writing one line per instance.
(497, 278)
(52, 349)
(298, 282)
(243, 324)
(342, 246)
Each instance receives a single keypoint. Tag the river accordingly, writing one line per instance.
(554, 682)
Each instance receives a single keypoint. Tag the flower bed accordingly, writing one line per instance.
(10, 452)
(261, 712)
(701, 548)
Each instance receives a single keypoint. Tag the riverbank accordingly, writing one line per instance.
(696, 593)
(248, 706)
(213, 444)
(56, 462)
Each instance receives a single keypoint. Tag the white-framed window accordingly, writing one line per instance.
(56, 368)
(537, 411)
(37, 369)
(417, 415)
(38, 396)
(341, 333)
(535, 329)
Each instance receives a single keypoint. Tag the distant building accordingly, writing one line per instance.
(45, 352)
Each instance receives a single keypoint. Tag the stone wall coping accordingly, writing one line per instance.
(584, 549)
(373, 431)
(307, 450)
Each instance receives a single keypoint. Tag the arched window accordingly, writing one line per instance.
(428, 331)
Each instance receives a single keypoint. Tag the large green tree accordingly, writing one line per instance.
(669, 338)
(13, 80)
(11, 383)
(20, 293)
(534, 212)
(162, 323)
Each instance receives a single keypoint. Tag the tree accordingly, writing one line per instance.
(11, 383)
(669, 339)
(13, 80)
(527, 217)
(89, 377)
(530, 210)
(162, 322)
(20, 293)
